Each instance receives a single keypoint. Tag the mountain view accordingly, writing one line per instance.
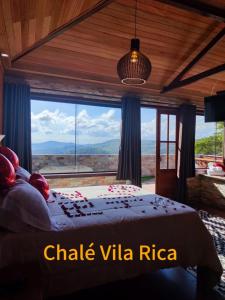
(108, 147)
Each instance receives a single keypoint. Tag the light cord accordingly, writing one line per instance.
(135, 20)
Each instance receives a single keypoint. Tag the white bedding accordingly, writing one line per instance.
(112, 215)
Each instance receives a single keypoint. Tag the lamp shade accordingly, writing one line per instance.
(134, 68)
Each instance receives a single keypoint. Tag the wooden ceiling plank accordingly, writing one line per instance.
(143, 27)
(100, 5)
(199, 7)
(66, 56)
(6, 7)
(160, 35)
(40, 12)
(168, 10)
(146, 37)
(25, 34)
(58, 7)
(46, 26)
(147, 42)
(171, 12)
(31, 34)
(18, 36)
(166, 16)
(4, 43)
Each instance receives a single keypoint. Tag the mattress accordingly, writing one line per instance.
(111, 218)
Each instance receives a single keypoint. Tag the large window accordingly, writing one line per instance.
(208, 142)
(68, 138)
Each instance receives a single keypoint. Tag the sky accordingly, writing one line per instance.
(52, 121)
(204, 129)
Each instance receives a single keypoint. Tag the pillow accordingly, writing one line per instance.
(218, 164)
(40, 183)
(21, 173)
(7, 172)
(24, 207)
(11, 155)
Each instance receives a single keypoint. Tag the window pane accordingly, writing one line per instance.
(97, 138)
(53, 147)
(172, 156)
(163, 155)
(163, 127)
(172, 130)
(148, 146)
(208, 142)
(74, 138)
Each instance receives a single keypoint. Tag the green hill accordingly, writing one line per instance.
(108, 147)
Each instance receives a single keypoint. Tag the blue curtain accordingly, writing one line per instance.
(129, 166)
(17, 121)
(186, 148)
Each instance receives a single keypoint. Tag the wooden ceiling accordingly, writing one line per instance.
(87, 54)
(23, 22)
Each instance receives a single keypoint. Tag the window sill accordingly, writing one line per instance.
(78, 175)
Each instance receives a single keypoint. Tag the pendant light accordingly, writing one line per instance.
(134, 67)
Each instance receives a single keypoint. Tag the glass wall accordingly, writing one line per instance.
(68, 138)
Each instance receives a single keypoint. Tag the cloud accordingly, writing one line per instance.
(148, 130)
(56, 125)
(204, 129)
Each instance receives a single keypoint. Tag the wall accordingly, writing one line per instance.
(206, 190)
(1, 97)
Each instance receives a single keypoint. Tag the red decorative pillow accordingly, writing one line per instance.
(218, 164)
(7, 172)
(11, 155)
(40, 183)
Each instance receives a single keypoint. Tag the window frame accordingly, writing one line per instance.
(75, 100)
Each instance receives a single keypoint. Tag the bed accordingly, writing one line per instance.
(111, 215)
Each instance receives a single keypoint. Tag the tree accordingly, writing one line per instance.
(211, 145)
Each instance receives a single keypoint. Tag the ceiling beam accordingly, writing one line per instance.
(194, 61)
(202, 53)
(202, 42)
(78, 19)
(199, 7)
(194, 78)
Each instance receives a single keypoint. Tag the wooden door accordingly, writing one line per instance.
(166, 152)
